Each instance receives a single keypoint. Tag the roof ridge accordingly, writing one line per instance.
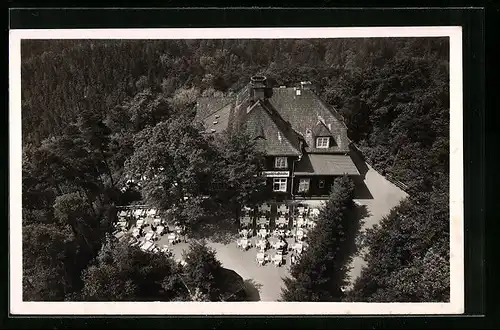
(218, 109)
(332, 110)
(268, 113)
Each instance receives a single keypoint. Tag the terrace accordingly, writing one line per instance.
(266, 230)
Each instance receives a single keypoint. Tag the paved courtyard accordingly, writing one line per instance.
(265, 281)
(379, 196)
(384, 196)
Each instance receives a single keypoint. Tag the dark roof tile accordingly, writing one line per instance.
(305, 110)
(276, 140)
(285, 112)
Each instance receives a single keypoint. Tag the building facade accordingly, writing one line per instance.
(305, 141)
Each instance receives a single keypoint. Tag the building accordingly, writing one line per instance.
(305, 141)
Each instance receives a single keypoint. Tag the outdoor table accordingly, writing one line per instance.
(136, 233)
(156, 222)
(147, 245)
(150, 236)
(298, 247)
(244, 243)
(281, 220)
(245, 220)
(261, 257)
(283, 208)
(172, 238)
(139, 223)
(160, 230)
(262, 244)
(278, 259)
(262, 220)
(264, 208)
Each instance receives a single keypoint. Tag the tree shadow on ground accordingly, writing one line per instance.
(218, 229)
(252, 289)
(353, 245)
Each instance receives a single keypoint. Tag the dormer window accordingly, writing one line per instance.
(280, 162)
(323, 142)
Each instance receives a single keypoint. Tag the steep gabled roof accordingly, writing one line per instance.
(304, 111)
(285, 121)
(321, 130)
(277, 139)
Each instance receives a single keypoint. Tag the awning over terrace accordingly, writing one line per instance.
(326, 164)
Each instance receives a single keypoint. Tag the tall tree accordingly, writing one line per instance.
(125, 273)
(320, 273)
(48, 262)
(203, 271)
(408, 258)
(238, 179)
(173, 160)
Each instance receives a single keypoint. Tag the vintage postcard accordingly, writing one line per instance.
(284, 171)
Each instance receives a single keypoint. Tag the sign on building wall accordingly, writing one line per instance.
(276, 174)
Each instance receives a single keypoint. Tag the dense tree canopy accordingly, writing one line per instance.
(203, 271)
(171, 161)
(237, 180)
(97, 111)
(321, 270)
(408, 258)
(124, 273)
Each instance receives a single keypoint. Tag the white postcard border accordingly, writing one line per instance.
(456, 304)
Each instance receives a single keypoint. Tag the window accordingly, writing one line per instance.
(321, 184)
(322, 142)
(279, 184)
(304, 185)
(280, 162)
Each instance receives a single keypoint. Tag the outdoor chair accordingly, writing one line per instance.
(261, 259)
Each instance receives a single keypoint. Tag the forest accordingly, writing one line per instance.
(97, 112)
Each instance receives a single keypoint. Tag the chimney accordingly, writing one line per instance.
(258, 86)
